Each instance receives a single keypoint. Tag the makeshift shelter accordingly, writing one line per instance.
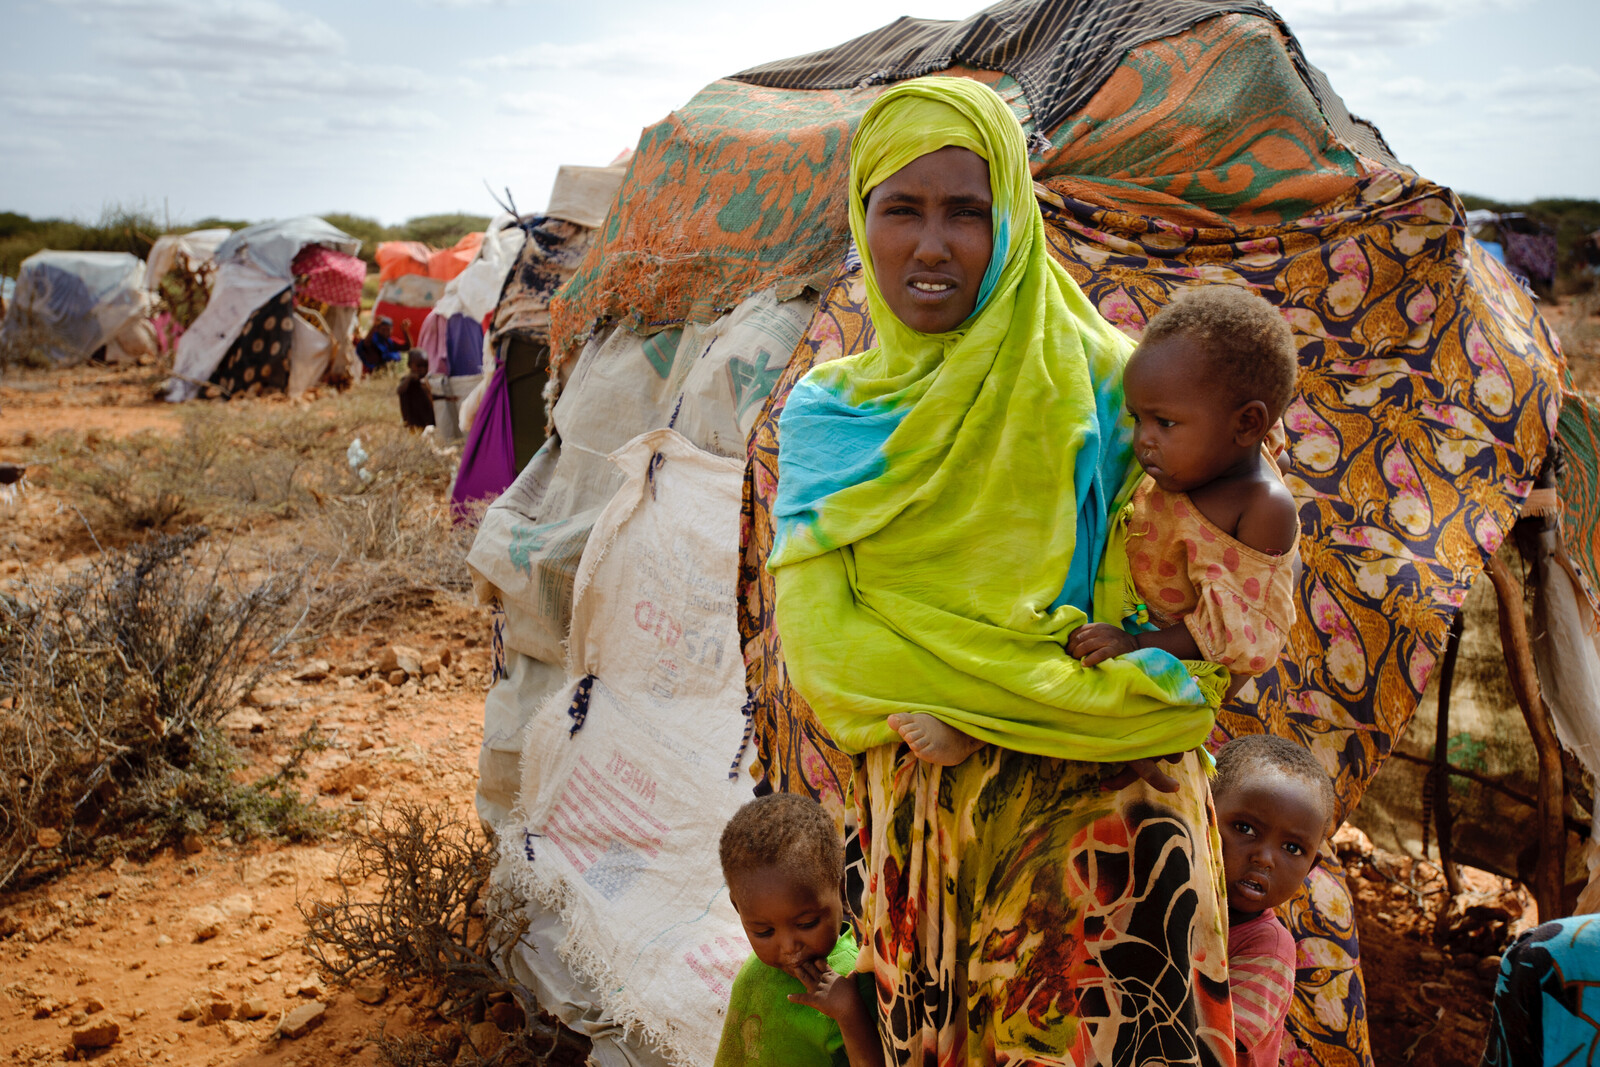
(1175, 143)
(178, 274)
(69, 305)
(452, 333)
(507, 413)
(279, 315)
(412, 277)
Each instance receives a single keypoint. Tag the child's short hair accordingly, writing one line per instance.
(1241, 758)
(1251, 347)
(417, 354)
(784, 830)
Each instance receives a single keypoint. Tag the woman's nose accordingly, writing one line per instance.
(932, 247)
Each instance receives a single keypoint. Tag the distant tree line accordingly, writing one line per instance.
(122, 229)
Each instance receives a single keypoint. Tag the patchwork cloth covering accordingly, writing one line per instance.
(1428, 397)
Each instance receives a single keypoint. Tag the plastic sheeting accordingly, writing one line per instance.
(68, 304)
(241, 288)
(272, 246)
(475, 291)
(199, 246)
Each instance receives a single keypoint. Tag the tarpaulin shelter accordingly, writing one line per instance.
(280, 313)
(412, 278)
(1175, 143)
(69, 305)
(1525, 245)
(508, 408)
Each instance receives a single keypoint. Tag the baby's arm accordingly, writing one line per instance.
(836, 997)
(1098, 641)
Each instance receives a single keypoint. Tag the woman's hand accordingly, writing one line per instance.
(1096, 641)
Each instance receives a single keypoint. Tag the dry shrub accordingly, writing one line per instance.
(118, 679)
(431, 918)
(379, 534)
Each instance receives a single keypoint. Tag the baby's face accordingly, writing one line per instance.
(787, 921)
(1183, 428)
(1271, 828)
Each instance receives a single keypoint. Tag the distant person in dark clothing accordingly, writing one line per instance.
(416, 399)
(378, 347)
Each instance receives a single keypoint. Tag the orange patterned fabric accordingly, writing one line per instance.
(1236, 601)
(1209, 127)
(743, 187)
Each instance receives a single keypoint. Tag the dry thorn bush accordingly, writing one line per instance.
(379, 536)
(414, 906)
(117, 680)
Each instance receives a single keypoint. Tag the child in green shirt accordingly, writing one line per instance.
(795, 1002)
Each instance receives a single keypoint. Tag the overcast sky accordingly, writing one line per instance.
(266, 108)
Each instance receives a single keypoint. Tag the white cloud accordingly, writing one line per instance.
(205, 31)
(1334, 25)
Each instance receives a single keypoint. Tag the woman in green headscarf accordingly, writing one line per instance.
(944, 522)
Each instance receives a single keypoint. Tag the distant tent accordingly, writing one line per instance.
(412, 278)
(279, 316)
(69, 305)
(1525, 245)
(178, 273)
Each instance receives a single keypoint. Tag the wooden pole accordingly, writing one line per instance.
(1551, 866)
(1439, 776)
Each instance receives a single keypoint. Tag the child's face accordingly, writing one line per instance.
(418, 366)
(1184, 432)
(787, 921)
(1271, 828)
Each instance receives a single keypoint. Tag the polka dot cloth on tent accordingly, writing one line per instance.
(259, 359)
(332, 277)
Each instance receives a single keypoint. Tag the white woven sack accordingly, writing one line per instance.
(623, 798)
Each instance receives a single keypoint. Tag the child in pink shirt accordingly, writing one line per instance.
(1274, 806)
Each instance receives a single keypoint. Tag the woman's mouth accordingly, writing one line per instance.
(930, 291)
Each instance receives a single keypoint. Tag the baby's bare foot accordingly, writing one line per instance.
(933, 741)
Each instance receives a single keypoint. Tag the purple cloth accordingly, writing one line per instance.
(489, 460)
(432, 340)
(464, 343)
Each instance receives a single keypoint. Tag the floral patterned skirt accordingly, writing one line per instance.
(1016, 913)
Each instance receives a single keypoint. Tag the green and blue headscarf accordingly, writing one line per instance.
(945, 501)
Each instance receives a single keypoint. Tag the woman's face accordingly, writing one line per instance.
(930, 232)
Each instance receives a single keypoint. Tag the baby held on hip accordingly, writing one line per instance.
(1212, 536)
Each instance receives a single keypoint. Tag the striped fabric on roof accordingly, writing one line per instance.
(1059, 51)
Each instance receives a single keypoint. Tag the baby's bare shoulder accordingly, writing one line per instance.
(1269, 521)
